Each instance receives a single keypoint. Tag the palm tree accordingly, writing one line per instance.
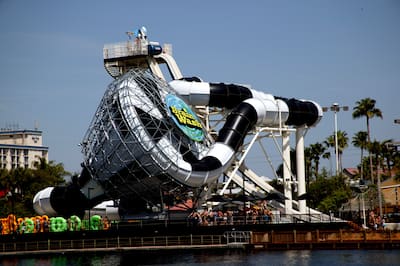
(342, 144)
(360, 140)
(366, 107)
(317, 150)
(388, 154)
(327, 155)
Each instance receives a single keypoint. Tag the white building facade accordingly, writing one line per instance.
(21, 148)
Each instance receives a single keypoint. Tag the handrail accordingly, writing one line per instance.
(228, 240)
(113, 242)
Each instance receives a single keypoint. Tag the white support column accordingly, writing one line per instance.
(287, 179)
(301, 180)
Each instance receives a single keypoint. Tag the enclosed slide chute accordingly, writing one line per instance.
(145, 140)
(271, 111)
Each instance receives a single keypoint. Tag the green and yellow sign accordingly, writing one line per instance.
(184, 118)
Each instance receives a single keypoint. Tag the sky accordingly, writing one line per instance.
(52, 73)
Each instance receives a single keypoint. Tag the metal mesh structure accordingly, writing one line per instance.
(132, 142)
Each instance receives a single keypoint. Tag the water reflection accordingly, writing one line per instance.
(65, 260)
(215, 257)
(296, 257)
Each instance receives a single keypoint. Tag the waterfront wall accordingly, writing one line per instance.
(103, 241)
(326, 239)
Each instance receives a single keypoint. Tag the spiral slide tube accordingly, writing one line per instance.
(251, 108)
(294, 112)
(130, 149)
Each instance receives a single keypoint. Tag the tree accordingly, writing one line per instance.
(14, 181)
(375, 148)
(328, 194)
(22, 185)
(366, 108)
(317, 150)
(382, 154)
(327, 155)
(360, 140)
(307, 162)
(396, 165)
(342, 144)
(388, 153)
(52, 174)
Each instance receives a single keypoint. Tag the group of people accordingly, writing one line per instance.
(376, 221)
(255, 215)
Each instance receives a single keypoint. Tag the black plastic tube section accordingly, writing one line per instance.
(301, 112)
(228, 95)
(238, 123)
(69, 200)
(208, 163)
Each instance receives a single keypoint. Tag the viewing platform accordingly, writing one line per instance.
(122, 56)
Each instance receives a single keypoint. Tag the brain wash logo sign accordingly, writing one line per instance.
(184, 117)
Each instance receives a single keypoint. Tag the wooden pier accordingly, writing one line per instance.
(327, 239)
(268, 240)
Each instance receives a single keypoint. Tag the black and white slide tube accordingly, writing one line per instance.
(293, 112)
(251, 108)
(74, 199)
(238, 123)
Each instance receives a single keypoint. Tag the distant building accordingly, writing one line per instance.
(350, 172)
(21, 148)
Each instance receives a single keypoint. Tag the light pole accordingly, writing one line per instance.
(335, 108)
(361, 188)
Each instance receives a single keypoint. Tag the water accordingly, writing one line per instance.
(216, 257)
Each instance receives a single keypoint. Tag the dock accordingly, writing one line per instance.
(250, 237)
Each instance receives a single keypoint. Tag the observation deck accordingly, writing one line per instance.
(136, 53)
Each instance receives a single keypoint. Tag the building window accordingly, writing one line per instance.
(13, 159)
(26, 158)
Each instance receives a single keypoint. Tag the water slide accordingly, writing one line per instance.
(145, 140)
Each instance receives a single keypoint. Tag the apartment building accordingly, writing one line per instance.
(21, 148)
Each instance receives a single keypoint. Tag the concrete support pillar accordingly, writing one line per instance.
(287, 178)
(300, 164)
